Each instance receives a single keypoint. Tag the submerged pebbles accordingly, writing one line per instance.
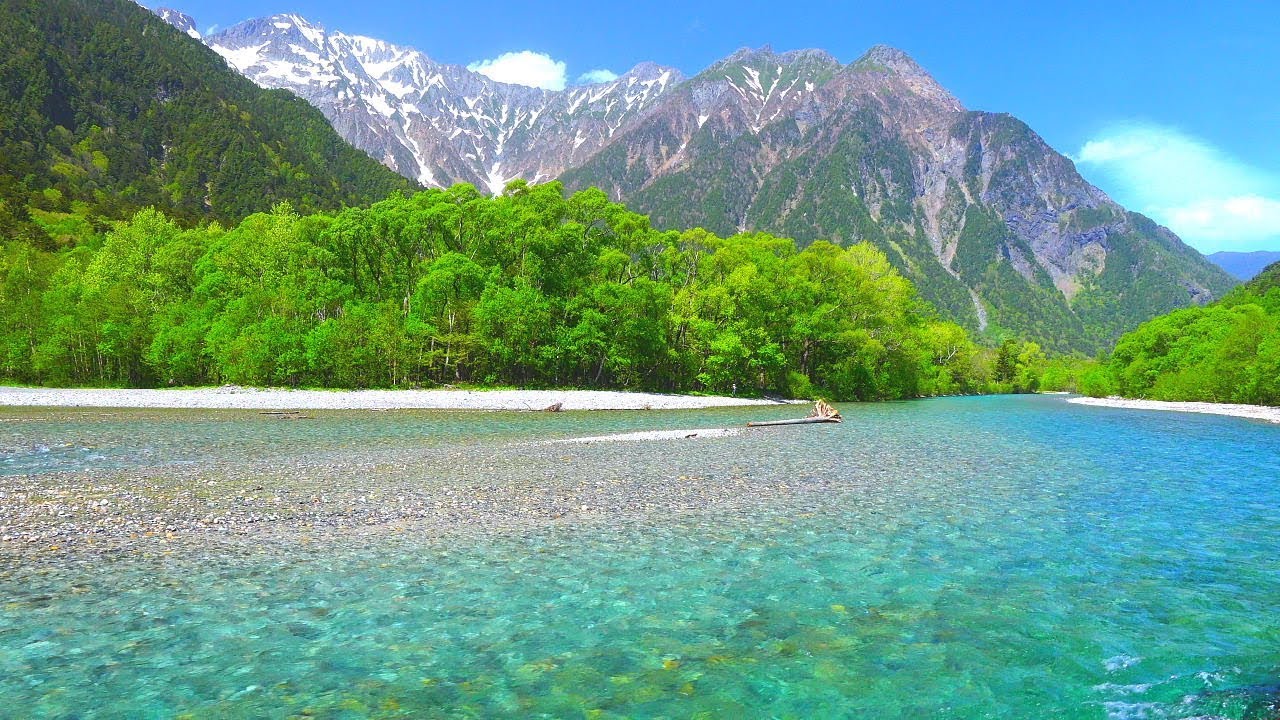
(290, 498)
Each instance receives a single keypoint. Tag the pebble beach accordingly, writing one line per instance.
(157, 470)
(1253, 412)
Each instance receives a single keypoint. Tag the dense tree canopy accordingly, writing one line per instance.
(1228, 351)
(446, 286)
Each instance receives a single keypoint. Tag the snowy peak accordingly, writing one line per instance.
(638, 88)
(281, 47)
(651, 71)
(435, 122)
(757, 87)
(440, 124)
(182, 21)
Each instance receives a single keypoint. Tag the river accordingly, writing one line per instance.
(1012, 557)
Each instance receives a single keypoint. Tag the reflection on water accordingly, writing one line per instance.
(970, 557)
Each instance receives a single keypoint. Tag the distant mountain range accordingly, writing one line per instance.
(996, 228)
(1244, 265)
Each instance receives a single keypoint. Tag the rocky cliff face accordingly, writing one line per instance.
(997, 229)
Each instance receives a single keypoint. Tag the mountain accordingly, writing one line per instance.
(996, 228)
(1266, 280)
(1244, 265)
(180, 20)
(106, 109)
(435, 122)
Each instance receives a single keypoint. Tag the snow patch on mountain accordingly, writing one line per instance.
(179, 20)
(440, 124)
(435, 122)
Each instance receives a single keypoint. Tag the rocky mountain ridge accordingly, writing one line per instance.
(434, 122)
(180, 20)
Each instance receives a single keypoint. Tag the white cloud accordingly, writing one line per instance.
(524, 68)
(597, 76)
(1230, 223)
(1211, 199)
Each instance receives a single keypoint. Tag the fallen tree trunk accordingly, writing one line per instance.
(822, 413)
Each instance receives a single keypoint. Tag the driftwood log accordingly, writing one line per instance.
(822, 413)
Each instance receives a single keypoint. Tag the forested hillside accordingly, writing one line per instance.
(1228, 351)
(105, 109)
(444, 286)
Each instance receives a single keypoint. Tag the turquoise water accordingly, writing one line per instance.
(960, 558)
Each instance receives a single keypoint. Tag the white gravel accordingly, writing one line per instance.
(1254, 412)
(242, 398)
(652, 435)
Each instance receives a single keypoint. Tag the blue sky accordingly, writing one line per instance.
(1172, 108)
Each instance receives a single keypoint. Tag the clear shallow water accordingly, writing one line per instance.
(969, 557)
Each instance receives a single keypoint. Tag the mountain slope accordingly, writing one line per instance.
(106, 108)
(995, 227)
(431, 121)
(1244, 265)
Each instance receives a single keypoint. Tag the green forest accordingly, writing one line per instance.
(529, 288)
(1227, 351)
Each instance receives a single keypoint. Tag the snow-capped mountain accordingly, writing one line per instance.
(180, 20)
(435, 122)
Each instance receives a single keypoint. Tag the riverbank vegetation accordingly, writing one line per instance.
(530, 288)
(1227, 351)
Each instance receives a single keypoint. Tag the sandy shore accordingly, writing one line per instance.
(240, 398)
(1254, 412)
